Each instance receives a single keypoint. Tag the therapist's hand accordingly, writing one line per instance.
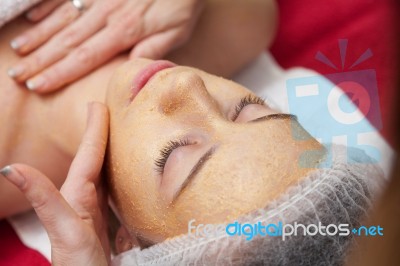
(74, 218)
(66, 45)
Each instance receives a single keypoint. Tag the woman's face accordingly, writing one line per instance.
(189, 146)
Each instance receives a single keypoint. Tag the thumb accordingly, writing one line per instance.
(44, 197)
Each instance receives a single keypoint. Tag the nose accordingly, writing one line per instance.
(187, 95)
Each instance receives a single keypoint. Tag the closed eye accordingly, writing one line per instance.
(166, 152)
(247, 100)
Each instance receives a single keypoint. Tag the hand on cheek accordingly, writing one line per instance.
(73, 217)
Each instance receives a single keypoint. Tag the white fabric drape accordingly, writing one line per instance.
(10, 9)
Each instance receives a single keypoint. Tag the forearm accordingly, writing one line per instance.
(229, 35)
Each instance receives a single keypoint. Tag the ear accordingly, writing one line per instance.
(124, 241)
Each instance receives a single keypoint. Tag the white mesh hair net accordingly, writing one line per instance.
(340, 194)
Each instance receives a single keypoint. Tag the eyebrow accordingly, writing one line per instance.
(195, 170)
(275, 117)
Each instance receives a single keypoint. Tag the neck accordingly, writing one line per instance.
(66, 110)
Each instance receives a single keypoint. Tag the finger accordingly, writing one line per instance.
(53, 211)
(42, 32)
(42, 10)
(81, 188)
(94, 52)
(60, 45)
(88, 161)
(158, 45)
(130, 23)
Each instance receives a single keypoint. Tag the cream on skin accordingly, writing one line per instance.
(44, 131)
(221, 160)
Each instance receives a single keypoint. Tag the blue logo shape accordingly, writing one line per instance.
(342, 105)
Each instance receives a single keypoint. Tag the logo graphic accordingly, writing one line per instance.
(279, 229)
(341, 107)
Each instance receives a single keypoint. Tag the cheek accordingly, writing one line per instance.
(236, 184)
(133, 189)
(118, 92)
(222, 193)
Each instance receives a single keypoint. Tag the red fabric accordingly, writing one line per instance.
(309, 26)
(14, 253)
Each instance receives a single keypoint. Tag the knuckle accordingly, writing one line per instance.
(40, 201)
(120, 24)
(128, 24)
(128, 32)
(106, 7)
(85, 55)
(70, 38)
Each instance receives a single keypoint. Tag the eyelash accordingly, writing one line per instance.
(166, 152)
(249, 99)
(173, 144)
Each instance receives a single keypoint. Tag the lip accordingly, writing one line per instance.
(144, 75)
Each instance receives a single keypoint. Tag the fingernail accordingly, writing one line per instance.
(5, 171)
(35, 83)
(16, 71)
(18, 42)
(13, 176)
